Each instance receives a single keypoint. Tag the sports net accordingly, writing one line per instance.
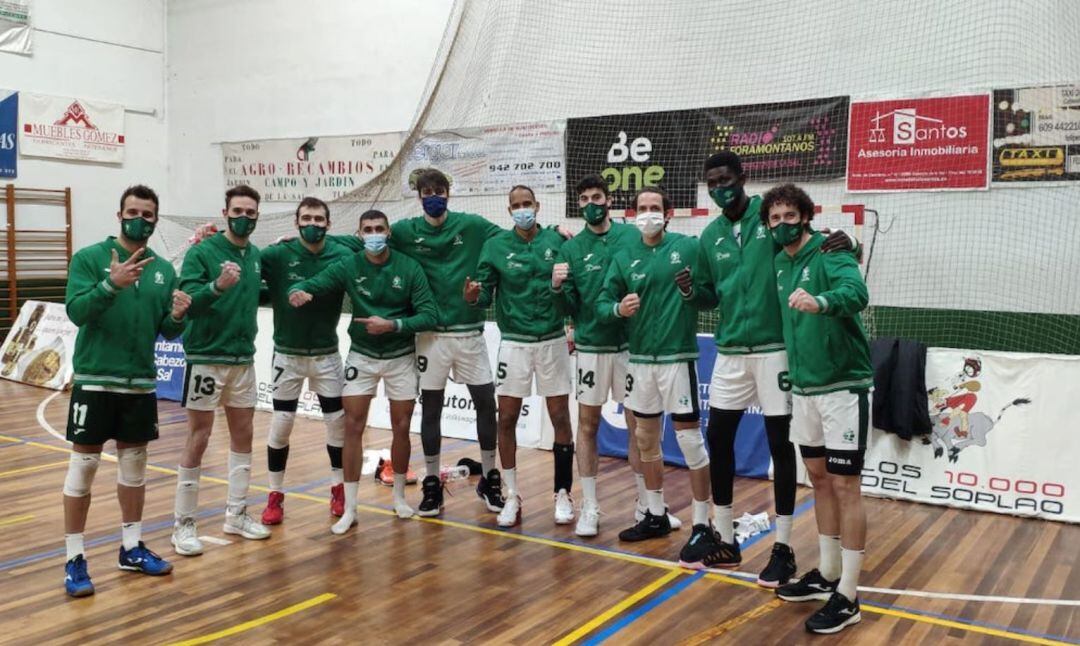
(648, 89)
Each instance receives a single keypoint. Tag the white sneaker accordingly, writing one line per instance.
(639, 515)
(242, 525)
(345, 523)
(510, 514)
(403, 510)
(588, 523)
(185, 537)
(564, 508)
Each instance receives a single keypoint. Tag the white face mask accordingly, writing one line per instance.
(649, 222)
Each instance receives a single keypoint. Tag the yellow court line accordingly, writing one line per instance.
(611, 612)
(40, 467)
(656, 563)
(731, 624)
(15, 520)
(255, 623)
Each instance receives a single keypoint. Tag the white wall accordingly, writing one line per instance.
(108, 50)
(262, 69)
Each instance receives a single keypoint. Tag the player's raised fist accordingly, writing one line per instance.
(629, 305)
(299, 298)
(230, 275)
(471, 290)
(559, 273)
(180, 304)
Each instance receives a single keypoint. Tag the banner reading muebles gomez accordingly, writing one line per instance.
(70, 128)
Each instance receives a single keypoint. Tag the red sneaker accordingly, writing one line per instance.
(337, 500)
(275, 510)
(384, 474)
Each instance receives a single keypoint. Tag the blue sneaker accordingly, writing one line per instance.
(77, 583)
(141, 559)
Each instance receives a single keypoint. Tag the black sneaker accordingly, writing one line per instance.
(812, 586)
(649, 527)
(489, 490)
(475, 468)
(837, 614)
(431, 502)
(780, 569)
(705, 549)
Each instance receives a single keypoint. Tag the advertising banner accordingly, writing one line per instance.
(71, 128)
(40, 346)
(288, 170)
(9, 132)
(929, 144)
(1036, 135)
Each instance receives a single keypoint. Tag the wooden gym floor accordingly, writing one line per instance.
(943, 576)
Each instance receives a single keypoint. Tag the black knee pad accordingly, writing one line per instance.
(329, 404)
(286, 405)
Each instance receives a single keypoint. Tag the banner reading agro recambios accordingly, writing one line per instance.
(1037, 134)
(491, 160)
(632, 151)
(287, 170)
(795, 141)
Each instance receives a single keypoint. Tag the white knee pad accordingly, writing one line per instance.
(281, 425)
(335, 428)
(81, 470)
(692, 445)
(131, 466)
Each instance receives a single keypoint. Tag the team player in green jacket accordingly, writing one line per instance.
(515, 272)
(662, 377)
(600, 348)
(121, 295)
(305, 347)
(820, 296)
(736, 274)
(391, 301)
(223, 276)
(447, 245)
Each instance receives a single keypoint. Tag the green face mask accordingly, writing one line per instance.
(312, 234)
(593, 213)
(725, 196)
(136, 229)
(242, 227)
(785, 234)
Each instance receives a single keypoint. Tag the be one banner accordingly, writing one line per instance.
(71, 128)
(491, 160)
(1036, 135)
(287, 170)
(9, 132)
(40, 346)
(928, 144)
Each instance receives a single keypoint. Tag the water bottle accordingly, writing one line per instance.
(460, 472)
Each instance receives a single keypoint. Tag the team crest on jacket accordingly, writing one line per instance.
(396, 283)
(675, 258)
(955, 424)
(159, 278)
(457, 240)
(549, 254)
(805, 275)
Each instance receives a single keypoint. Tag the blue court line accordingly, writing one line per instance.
(971, 622)
(644, 608)
(147, 528)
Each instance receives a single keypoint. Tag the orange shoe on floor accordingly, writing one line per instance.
(384, 473)
(410, 476)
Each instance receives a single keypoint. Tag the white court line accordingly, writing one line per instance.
(739, 575)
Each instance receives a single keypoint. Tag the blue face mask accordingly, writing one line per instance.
(434, 205)
(375, 242)
(524, 219)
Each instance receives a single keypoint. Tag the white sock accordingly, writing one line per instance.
(74, 545)
(588, 488)
(131, 534)
(431, 464)
(639, 481)
(829, 546)
(849, 575)
(352, 490)
(655, 501)
(337, 476)
(783, 529)
(187, 492)
(487, 459)
(399, 488)
(510, 475)
(701, 512)
(724, 519)
(277, 481)
(239, 480)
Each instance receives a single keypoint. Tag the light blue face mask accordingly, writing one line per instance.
(375, 242)
(524, 219)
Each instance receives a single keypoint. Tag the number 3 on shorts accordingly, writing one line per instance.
(783, 381)
(629, 382)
